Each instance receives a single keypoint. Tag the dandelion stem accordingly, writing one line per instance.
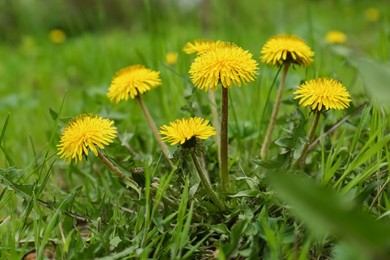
(207, 184)
(153, 127)
(224, 140)
(115, 169)
(310, 136)
(275, 112)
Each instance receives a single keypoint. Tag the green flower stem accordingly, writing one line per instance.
(224, 140)
(115, 169)
(152, 125)
(207, 184)
(275, 112)
(310, 136)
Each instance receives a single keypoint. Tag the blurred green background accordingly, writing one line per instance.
(96, 38)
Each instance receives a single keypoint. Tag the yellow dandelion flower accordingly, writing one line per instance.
(286, 48)
(372, 14)
(227, 65)
(201, 46)
(83, 133)
(171, 58)
(335, 37)
(57, 36)
(184, 129)
(132, 81)
(323, 93)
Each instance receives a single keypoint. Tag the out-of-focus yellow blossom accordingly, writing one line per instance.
(372, 14)
(171, 58)
(335, 37)
(57, 36)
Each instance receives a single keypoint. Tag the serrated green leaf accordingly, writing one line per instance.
(245, 193)
(10, 173)
(220, 228)
(7, 178)
(115, 241)
(235, 235)
(286, 142)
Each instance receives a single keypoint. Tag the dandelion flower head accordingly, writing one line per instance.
(323, 93)
(83, 133)
(335, 37)
(227, 65)
(171, 58)
(132, 81)
(57, 36)
(185, 129)
(286, 48)
(372, 14)
(201, 46)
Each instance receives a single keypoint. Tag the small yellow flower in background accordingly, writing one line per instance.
(132, 81)
(227, 65)
(57, 36)
(182, 130)
(83, 133)
(323, 93)
(201, 46)
(171, 58)
(286, 48)
(372, 14)
(335, 37)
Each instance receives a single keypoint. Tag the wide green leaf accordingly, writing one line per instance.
(326, 211)
(376, 77)
(374, 73)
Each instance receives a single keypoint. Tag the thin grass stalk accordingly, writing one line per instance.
(153, 127)
(275, 112)
(147, 209)
(115, 169)
(207, 184)
(224, 140)
(338, 124)
(310, 137)
(267, 100)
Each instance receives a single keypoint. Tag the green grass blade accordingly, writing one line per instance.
(178, 241)
(9, 159)
(365, 154)
(185, 234)
(4, 129)
(54, 220)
